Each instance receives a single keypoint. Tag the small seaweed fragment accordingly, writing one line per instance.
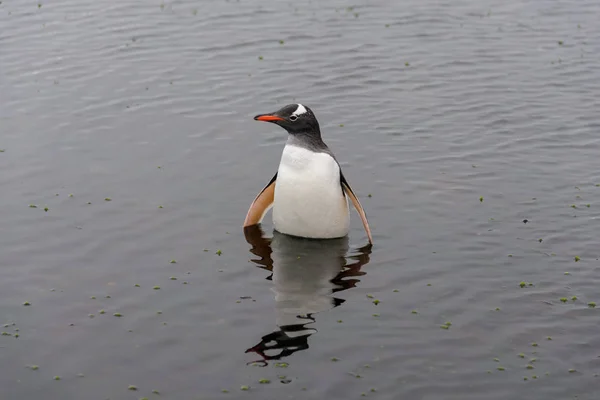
(26, 303)
(577, 258)
(118, 314)
(219, 252)
(591, 304)
(132, 387)
(264, 381)
(244, 387)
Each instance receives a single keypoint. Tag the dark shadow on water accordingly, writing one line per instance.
(305, 274)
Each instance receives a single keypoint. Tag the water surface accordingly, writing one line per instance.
(462, 120)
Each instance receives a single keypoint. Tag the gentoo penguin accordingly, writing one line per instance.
(308, 194)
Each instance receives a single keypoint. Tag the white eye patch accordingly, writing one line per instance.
(300, 110)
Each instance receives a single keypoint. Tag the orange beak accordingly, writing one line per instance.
(268, 118)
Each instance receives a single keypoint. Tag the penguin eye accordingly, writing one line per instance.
(293, 117)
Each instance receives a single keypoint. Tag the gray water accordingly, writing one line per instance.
(462, 119)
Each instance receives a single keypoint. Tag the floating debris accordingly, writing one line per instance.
(26, 303)
(117, 315)
(132, 387)
(264, 381)
(244, 387)
(577, 258)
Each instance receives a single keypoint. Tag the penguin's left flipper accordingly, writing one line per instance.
(357, 205)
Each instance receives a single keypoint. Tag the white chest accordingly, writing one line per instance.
(308, 196)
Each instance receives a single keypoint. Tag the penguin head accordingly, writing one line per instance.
(294, 118)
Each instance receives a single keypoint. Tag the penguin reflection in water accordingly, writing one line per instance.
(305, 274)
(308, 194)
